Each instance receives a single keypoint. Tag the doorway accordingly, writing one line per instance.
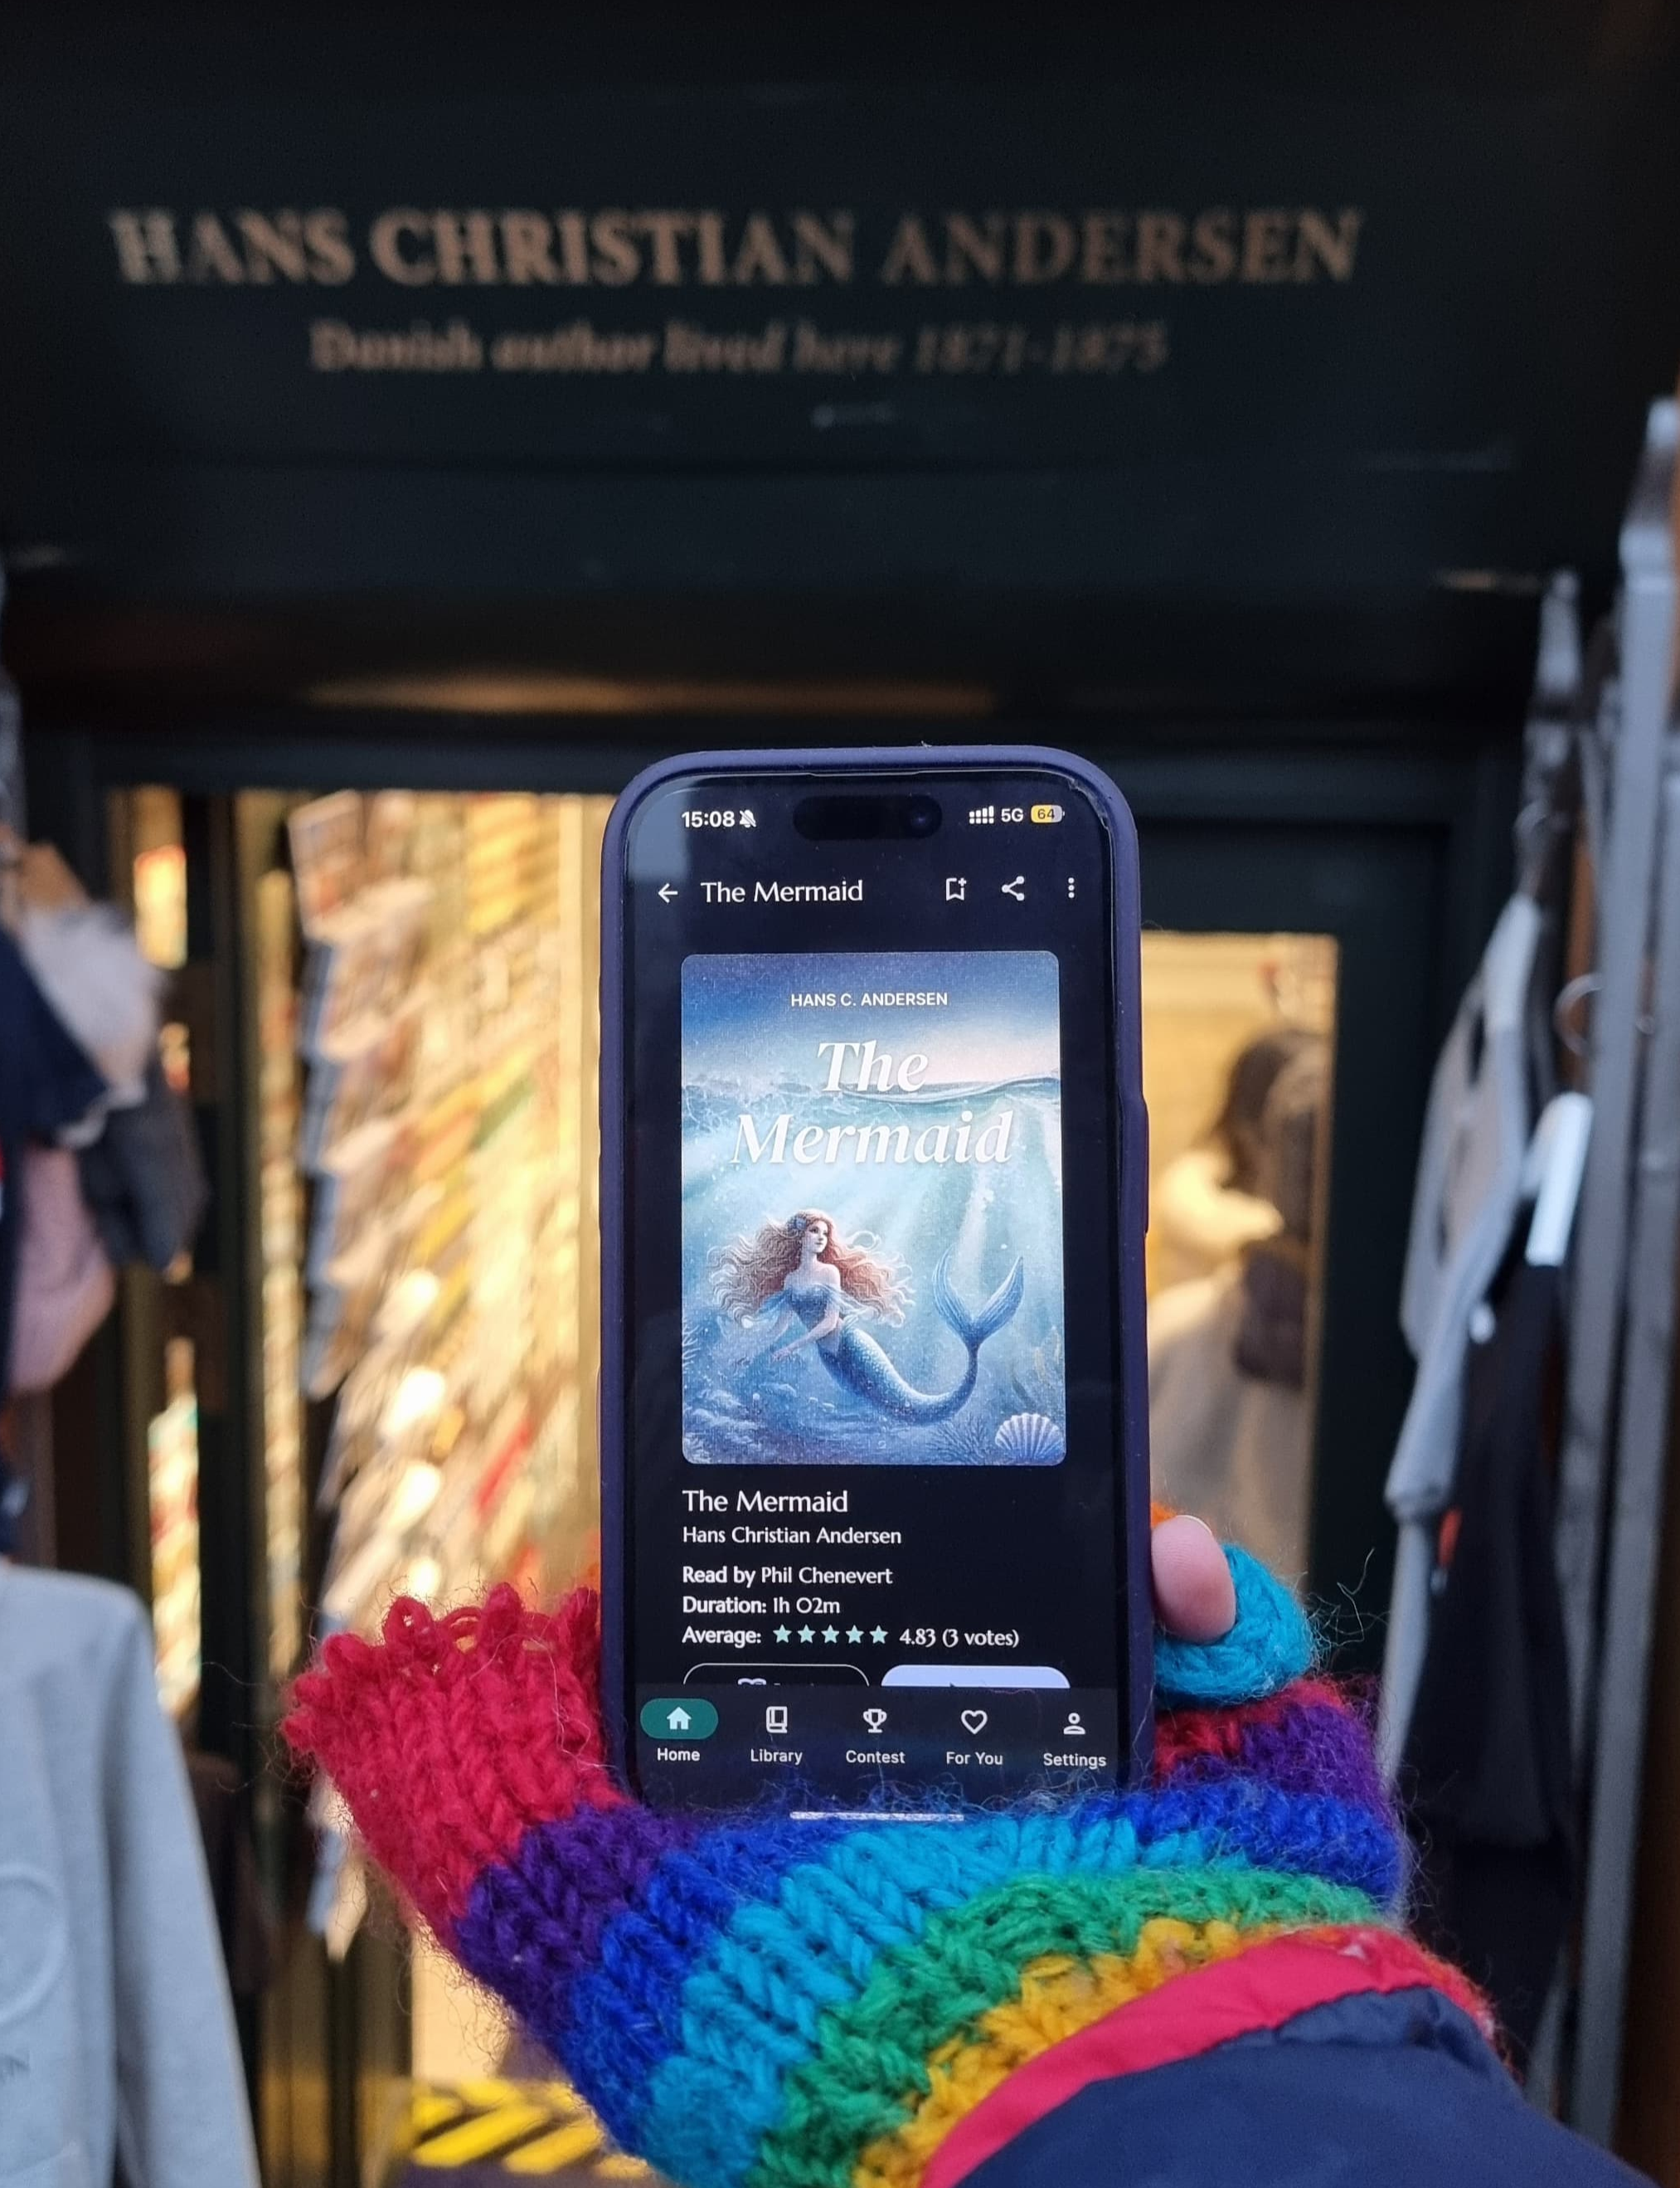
(1338, 892)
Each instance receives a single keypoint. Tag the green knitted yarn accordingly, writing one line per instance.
(969, 1958)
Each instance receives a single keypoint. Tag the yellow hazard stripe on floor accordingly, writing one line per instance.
(432, 2109)
(566, 2145)
(480, 2137)
(529, 2128)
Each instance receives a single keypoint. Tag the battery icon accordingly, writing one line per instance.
(1047, 813)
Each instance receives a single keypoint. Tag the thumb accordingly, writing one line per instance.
(1195, 1596)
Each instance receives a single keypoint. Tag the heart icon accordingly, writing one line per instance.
(975, 1720)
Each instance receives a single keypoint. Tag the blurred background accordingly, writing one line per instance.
(414, 421)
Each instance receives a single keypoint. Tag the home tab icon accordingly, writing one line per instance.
(687, 1717)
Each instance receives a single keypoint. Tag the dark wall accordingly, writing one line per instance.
(1182, 360)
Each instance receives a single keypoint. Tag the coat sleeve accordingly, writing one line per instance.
(183, 2119)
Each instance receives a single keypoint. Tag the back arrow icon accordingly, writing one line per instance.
(667, 893)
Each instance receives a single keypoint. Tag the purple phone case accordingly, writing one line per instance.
(1133, 1182)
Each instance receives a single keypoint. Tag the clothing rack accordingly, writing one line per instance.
(1622, 1316)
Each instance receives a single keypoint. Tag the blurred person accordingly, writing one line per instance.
(1207, 1205)
(1230, 1406)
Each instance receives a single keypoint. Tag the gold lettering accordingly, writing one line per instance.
(212, 257)
(526, 248)
(332, 260)
(385, 247)
(466, 248)
(816, 350)
(908, 256)
(1160, 246)
(1044, 247)
(332, 346)
(1104, 260)
(689, 349)
(273, 245)
(670, 247)
(146, 248)
(713, 270)
(1333, 248)
(1266, 239)
(617, 260)
(966, 245)
(1213, 244)
(665, 230)
(574, 246)
(759, 257)
(822, 244)
(574, 348)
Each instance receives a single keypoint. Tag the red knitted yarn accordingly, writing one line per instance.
(1181, 1733)
(457, 1734)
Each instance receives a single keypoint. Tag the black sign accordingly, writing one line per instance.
(1335, 317)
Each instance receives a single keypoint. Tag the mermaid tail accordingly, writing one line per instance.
(858, 1363)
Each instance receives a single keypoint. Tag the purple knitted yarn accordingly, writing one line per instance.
(1315, 1748)
(1305, 1742)
(533, 1923)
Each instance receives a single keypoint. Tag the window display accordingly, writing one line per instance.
(444, 1022)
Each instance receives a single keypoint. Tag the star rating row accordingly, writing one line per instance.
(831, 1634)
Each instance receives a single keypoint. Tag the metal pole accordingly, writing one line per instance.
(1610, 1696)
(1636, 1527)
(1624, 883)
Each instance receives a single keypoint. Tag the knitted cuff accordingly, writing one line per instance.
(759, 2003)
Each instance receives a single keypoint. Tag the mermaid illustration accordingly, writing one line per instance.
(818, 1280)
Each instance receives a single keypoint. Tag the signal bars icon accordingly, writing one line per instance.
(981, 816)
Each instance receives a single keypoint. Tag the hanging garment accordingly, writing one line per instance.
(1469, 1182)
(144, 1177)
(66, 1287)
(84, 959)
(47, 1083)
(116, 2036)
(1487, 1755)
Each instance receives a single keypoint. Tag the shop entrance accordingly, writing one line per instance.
(378, 1375)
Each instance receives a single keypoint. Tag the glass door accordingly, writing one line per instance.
(1291, 985)
(1238, 1035)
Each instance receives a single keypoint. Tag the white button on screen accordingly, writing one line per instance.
(999, 1677)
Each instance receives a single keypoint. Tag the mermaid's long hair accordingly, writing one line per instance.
(747, 1271)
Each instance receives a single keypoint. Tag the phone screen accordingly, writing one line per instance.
(873, 1506)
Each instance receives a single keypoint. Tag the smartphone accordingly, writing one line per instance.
(873, 1401)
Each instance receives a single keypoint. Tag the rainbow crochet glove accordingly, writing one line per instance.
(754, 2002)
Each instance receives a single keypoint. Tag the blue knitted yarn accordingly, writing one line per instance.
(626, 2012)
(752, 2005)
(1269, 1645)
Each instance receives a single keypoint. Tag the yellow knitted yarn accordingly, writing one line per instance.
(1059, 1995)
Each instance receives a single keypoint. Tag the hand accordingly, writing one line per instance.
(1195, 1595)
(756, 2002)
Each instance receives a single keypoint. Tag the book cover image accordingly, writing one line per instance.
(872, 1224)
